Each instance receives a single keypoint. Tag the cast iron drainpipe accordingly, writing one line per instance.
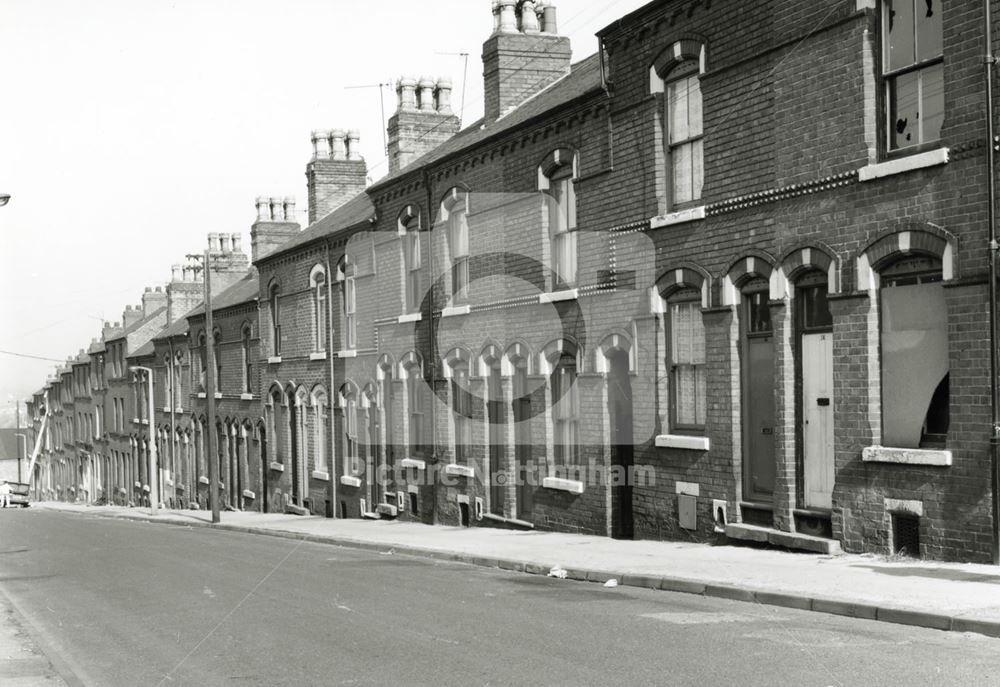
(988, 61)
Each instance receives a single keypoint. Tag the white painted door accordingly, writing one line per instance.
(817, 415)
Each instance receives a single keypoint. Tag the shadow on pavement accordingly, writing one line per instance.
(933, 573)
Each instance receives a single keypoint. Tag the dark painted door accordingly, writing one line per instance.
(622, 450)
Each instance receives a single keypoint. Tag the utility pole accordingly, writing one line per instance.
(17, 422)
(991, 148)
(213, 456)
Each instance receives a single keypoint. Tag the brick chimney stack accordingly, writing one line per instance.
(524, 55)
(275, 224)
(131, 315)
(336, 173)
(153, 300)
(423, 119)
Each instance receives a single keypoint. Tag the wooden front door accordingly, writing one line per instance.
(758, 399)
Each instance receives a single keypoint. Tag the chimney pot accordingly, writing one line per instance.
(508, 16)
(213, 241)
(321, 144)
(549, 18)
(426, 93)
(353, 144)
(263, 209)
(406, 90)
(443, 92)
(529, 21)
(237, 238)
(148, 289)
(224, 244)
(289, 208)
(158, 289)
(496, 15)
(277, 211)
(338, 149)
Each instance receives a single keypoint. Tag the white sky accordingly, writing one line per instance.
(130, 129)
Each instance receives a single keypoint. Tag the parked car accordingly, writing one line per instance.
(19, 494)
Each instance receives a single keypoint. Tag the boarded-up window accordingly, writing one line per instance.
(914, 333)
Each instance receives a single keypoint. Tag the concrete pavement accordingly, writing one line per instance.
(23, 662)
(945, 596)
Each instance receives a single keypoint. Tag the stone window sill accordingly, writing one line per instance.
(349, 481)
(278, 467)
(411, 317)
(899, 165)
(247, 494)
(459, 470)
(571, 485)
(556, 296)
(348, 353)
(690, 443)
(456, 310)
(678, 217)
(217, 395)
(202, 394)
(246, 397)
(412, 463)
(321, 475)
(905, 456)
(202, 480)
(166, 409)
(321, 355)
(274, 360)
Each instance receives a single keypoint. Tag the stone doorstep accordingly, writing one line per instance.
(788, 540)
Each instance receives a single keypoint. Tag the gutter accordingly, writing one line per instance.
(988, 61)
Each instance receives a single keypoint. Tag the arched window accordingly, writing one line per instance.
(417, 405)
(202, 361)
(685, 342)
(217, 352)
(321, 429)
(914, 342)
(461, 405)
(565, 403)
(275, 308)
(318, 286)
(348, 289)
(247, 360)
(557, 179)
(178, 380)
(349, 407)
(409, 232)
(684, 145)
(455, 212)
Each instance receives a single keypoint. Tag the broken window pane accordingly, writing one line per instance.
(898, 28)
(928, 16)
(914, 363)
(904, 110)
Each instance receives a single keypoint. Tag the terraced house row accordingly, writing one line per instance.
(729, 274)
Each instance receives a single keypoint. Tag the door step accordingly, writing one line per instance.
(788, 540)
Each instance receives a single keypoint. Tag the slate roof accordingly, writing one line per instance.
(358, 209)
(245, 290)
(584, 78)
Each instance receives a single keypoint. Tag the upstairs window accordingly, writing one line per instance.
(456, 211)
(217, 352)
(202, 361)
(461, 406)
(685, 150)
(913, 72)
(275, 308)
(409, 233)
(557, 179)
(247, 360)
(349, 296)
(317, 284)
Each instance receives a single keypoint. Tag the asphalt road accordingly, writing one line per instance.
(125, 603)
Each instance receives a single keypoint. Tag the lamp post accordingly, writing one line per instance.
(154, 481)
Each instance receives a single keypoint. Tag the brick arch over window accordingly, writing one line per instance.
(551, 353)
(911, 239)
(560, 157)
(515, 353)
(685, 276)
(456, 195)
(385, 363)
(454, 356)
(804, 259)
(490, 355)
(407, 215)
(611, 344)
(675, 53)
(410, 361)
(758, 265)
